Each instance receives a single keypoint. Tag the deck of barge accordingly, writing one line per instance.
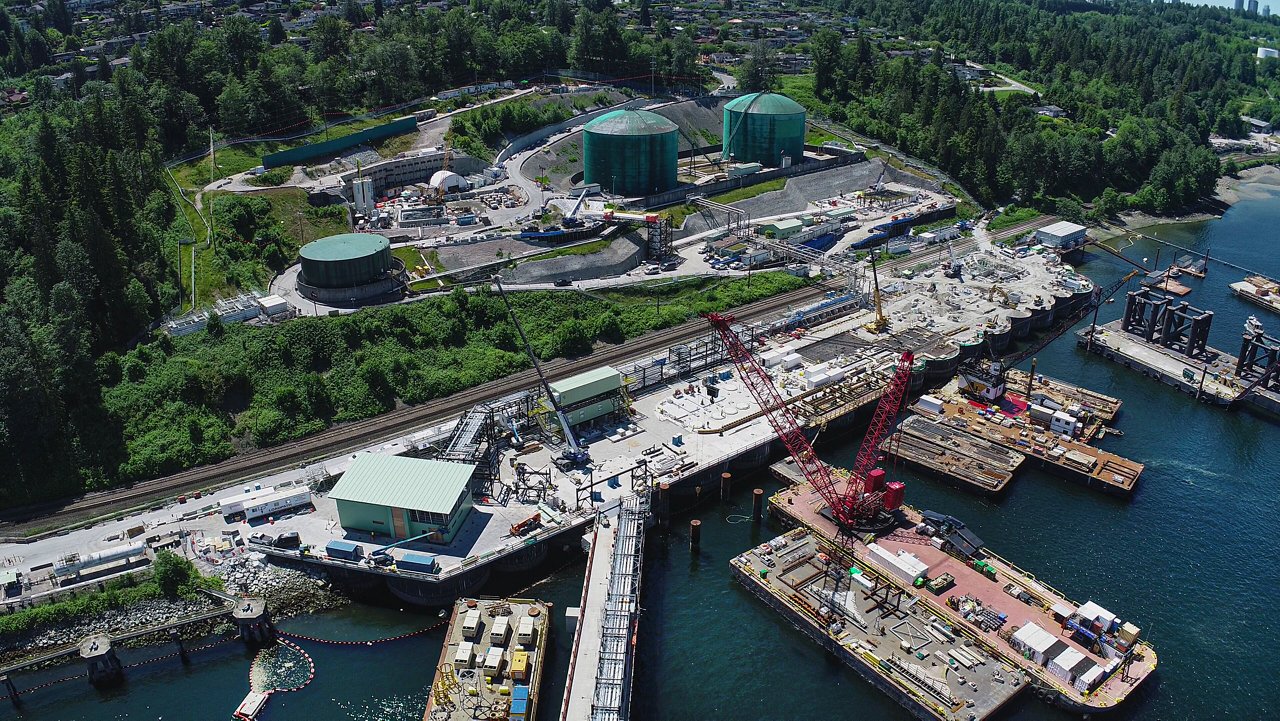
(929, 670)
(967, 460)
(800, 505)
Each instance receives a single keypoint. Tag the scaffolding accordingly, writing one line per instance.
(612, 698)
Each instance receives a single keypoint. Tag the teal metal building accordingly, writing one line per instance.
(630, 152)
(764, 128)
(395, 497)
(346, 260)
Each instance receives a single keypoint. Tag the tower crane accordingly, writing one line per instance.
(859, 503)
(984, 379)
(574, 453)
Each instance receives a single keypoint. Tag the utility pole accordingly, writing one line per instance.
(653, 68)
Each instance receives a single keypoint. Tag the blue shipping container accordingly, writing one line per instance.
(421, 562)
(343, 549)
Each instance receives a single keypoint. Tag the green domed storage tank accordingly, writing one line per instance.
(763, 128)
(630, 152)
(346, 260)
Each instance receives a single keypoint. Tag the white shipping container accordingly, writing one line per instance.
(465, 655)
(815, 380)
(498, 634)
(792, 360)
(493, 661)
(471, 623)
(931, 404)
(524, 631)
(1062, 664)
(277, 502)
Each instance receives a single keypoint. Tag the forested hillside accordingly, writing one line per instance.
(1144, 84)
(86, 240)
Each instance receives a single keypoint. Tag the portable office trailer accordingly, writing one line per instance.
(236, 504)
(277, 502)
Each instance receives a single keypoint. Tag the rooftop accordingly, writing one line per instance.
(765, 104)
(1062, 227)
(344, 246)
(631, 122)
(400, 482)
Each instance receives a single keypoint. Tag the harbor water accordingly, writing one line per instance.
(1191, 558)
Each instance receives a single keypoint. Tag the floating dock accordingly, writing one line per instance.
(1070, 459)
(926, 667)
(1077, 656)
(968, 461)
(492, 661)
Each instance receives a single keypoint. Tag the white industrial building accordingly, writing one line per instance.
(1061, 235)
(1268, 53)
(362, 195)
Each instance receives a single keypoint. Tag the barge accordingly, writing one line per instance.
(1059, 454)
(967, 461)
(1078, 656)
(927, 667)
(492, 661)
(1262, 292)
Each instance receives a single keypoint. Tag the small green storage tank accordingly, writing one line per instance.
(346, 260)
(630, 152)
(763, 128)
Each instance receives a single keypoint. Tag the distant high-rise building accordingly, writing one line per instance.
(1253, 7)
(1266, 11)
(1239, 6)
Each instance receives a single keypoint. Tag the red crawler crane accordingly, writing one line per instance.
(861, 504)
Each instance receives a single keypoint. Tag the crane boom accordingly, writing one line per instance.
(854, 508)
(575, 453)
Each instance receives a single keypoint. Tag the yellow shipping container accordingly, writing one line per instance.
(519, 665)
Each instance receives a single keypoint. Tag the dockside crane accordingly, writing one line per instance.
(860, 502)
(984, 379)
(574, 454)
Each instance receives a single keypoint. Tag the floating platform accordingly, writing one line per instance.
(931, 671)
(965, 460)
(251, 706)
(1262, 292)
(1209, 378)
(982, 598)
(1102, 410)
(491, 664)
(1070, 459)
(1163, 281)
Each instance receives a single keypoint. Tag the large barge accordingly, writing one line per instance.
(1169, 343)
(1262, 292)
(1078, 656)
(1051, 450)
(967, 461)
(927, 667)
(492, 661)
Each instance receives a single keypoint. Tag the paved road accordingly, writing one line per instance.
(1012, 85)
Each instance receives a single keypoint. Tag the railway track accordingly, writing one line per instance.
(16, 522)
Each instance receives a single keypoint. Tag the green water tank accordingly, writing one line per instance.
(630, 152)
(346, 260)
(763, 128)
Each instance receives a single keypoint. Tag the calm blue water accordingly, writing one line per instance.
(1190, 559)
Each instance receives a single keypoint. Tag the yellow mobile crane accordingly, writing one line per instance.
(881, 323)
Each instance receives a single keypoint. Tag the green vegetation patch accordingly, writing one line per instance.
(483, 131)
(1012, 215)
(750, 191)
(181, 402)
(171, 576)
(272, 178)
(594, 246)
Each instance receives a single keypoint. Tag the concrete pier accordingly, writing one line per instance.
(695, 533)
(100, 658)
(757, 504)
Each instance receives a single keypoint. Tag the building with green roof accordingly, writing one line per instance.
(630, 152)
(399, 497)
(346, 260)
(764, 128)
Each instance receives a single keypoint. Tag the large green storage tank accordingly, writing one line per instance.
(346, 260)
(630, 152)
(763, 128)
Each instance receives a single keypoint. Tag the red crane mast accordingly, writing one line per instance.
(854, 505)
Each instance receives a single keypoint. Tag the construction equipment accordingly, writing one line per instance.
(1004, 296)
(859, 505)
(574, 454)
(983, 379)
(953, 264)
(528, 524)
(881, 323)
